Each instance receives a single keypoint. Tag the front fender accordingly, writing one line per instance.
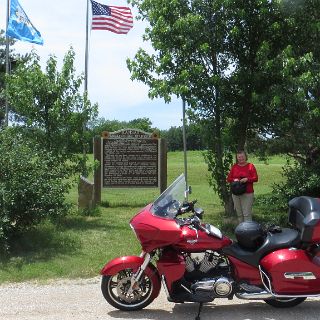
(120, 263)
(133, 262)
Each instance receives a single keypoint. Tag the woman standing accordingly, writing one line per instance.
(243, 172)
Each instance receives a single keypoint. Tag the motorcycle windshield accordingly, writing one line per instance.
(168, 203)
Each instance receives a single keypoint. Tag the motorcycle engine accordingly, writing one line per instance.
(203, 262)
(209, 277)
(220, 287)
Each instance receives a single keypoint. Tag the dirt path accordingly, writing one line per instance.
(82, 300)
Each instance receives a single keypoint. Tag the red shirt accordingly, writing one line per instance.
(247, 171)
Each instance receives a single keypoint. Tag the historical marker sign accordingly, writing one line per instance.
(130, 158)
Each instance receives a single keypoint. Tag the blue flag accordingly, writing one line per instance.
(20, 27)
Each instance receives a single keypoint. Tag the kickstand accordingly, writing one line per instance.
(199, 311)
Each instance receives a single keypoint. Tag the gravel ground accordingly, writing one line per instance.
(82, 299)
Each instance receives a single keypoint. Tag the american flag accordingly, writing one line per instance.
(112, 18)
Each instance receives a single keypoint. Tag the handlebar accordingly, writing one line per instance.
(195, 219)
(194, 222)
(187, 207)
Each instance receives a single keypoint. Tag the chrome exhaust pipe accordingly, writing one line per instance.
(263, 295)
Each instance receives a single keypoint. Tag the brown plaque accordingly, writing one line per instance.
(130, 159)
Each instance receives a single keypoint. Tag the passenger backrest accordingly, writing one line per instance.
(304, 214)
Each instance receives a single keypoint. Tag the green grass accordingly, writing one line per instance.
(81, 245)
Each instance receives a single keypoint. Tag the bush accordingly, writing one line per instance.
(268, 212)
(33, 184)
(299, 179)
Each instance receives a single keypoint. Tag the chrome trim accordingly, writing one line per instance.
(197, 236)
(134, 231)
(192, 241)
(263, 295)
(163, 281)
(185, 288)
(274, 295)
(204, 285)
(268, 288)
(136, 277)
(215, 231)
(146, 261)
(305, 275)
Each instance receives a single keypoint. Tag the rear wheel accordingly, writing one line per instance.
(115, 291)
(284, 302)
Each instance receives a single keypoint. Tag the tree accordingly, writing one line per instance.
(13, 59)
(194, 133)
(296, 101)
(33, 184)
(143, 124)
(97, 126)
(50, 103)
(212, 53)
(297, 96)
(101, 124)
(174, 138)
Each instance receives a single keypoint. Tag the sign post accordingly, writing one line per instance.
(97, 170)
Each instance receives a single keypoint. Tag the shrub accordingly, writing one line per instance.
(33, 184)
(269, 212)
(300, 179)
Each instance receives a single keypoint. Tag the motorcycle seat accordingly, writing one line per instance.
(285, 239)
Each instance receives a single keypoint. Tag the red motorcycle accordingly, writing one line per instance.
(195, 262)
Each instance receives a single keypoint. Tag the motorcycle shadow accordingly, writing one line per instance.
(236, 310)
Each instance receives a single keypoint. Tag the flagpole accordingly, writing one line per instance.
(184, 142)
(87, 51)
(7, 66)
(84, 171)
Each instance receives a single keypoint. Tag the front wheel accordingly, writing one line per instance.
(115, 291)
(284, 302)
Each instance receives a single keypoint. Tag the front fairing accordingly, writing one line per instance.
(156, 225)
(153, 231)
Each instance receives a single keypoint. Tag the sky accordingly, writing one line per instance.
(62, 24)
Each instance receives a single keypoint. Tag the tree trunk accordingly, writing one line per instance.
(220, 170)
(230, 214)
(221, 174)
(243, 125)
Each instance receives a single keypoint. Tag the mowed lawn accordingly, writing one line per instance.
(81, 245)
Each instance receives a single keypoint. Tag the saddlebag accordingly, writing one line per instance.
(291, 272)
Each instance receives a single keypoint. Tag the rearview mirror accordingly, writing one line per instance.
(199, 212)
